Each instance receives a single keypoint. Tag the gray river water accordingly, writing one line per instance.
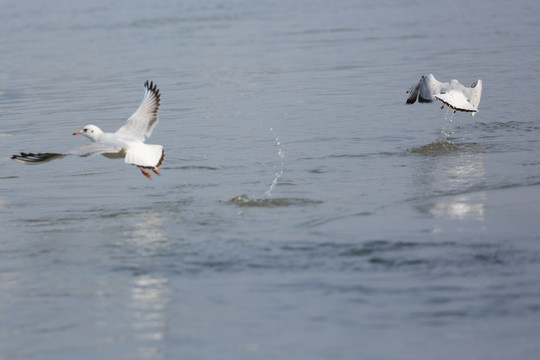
(303, 211)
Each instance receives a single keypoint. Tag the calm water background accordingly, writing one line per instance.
(394, 232)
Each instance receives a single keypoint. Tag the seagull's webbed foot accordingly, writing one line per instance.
(156, 171)
(146, 174)
(442, 107)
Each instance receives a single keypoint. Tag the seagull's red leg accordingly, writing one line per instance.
(442, 107)
(156, 171)
(146, 174)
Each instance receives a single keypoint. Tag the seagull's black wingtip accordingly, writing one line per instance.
(150, 86)
(36, 158)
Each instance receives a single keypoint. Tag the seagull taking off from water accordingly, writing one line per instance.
(127, 142)
(453, 94)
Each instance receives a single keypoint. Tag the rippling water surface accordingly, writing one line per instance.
(303, 212)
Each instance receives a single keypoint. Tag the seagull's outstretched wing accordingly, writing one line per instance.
(83, 151)
(36, 158)
(474, 93)
(413, 91)
(142, 122)
(424, 90)
(95, 149)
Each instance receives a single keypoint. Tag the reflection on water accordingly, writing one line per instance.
(455, 177)
(462, 207)
(466, 174)
(149, 299)
(149, 294)
(147, 228)
(470, 169)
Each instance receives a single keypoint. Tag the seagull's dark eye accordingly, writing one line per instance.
(85, 130)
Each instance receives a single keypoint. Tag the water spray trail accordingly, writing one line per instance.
(447, 130)
(279, 173)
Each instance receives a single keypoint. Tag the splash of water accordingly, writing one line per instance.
(244, 201)
(278, 173)
(447, 130)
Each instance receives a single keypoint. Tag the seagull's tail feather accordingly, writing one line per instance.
(146, 156)
(36, 158)
(457, 101)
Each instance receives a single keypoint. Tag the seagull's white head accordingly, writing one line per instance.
(90, 131)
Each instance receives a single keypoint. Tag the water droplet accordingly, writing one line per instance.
(279, 173)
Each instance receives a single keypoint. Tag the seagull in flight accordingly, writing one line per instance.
(453, 94)
(127, 142)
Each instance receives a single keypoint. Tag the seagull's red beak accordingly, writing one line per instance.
(77, 133)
